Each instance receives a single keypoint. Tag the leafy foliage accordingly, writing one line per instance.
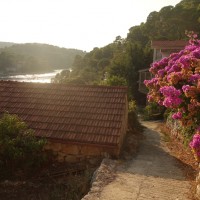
(115, 81)
(171, 22)
(19, 149)
(153, 111)
(176, 85)
(132, 106)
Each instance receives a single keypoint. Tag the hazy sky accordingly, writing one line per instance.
(80, 24)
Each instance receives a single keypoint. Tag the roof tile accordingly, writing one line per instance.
(165, 44)
(82, 114)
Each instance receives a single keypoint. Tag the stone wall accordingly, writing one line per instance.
(79, 152)
(73, 152)
(198, 185)
(175, 128)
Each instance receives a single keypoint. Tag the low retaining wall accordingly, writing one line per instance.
(198, 185)
(77, 152)
(175, 129)
(103, 176)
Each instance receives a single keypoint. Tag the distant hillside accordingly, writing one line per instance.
(6, 44)
(34, 57)
(118, 63)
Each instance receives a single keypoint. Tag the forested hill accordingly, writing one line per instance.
(6, 44)
(36, 58)
(170, 23)
(118, 63)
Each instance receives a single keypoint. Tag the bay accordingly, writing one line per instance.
(34, 78)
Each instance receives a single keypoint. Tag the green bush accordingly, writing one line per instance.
(19, 148)
(178, 130)
(132, 107)
(115, 81)
(153, 111)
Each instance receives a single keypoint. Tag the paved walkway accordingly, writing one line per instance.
(153, 174)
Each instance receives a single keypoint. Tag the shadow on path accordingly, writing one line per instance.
(153, 158)
(152, 175)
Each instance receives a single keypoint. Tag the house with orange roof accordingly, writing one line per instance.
(164, 48)
(77, 121)
(161, 49)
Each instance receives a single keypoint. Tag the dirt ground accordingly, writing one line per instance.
(58, 181)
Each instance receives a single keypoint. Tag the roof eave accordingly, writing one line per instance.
(111, 146)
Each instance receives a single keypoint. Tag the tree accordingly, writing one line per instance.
(123, 58)
(115, 81)
(61, 77)
(19, 148)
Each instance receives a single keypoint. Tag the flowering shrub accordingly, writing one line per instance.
(195, 144)
(176, 85)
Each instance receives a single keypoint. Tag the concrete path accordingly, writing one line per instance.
(152, 175)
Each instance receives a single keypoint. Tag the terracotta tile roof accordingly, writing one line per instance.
(82, 114)
(167, 44)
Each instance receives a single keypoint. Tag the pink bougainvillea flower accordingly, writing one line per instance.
(177, 115)
(170, 91)
(186, 88)
(194, 78)
(161, 73)
(176, 85)
(195, 143)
